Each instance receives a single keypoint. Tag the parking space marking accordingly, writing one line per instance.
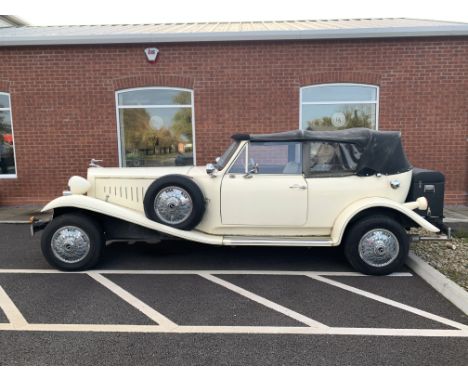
(182, 329)
(263, 301)
(12, 313)
(133, 301)
(18, 323)
(390, 302)
(198, 272)
(244, 272)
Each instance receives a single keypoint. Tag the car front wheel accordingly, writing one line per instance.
(72, 242)
(376, 245)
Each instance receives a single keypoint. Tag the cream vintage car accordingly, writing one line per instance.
(353, 188)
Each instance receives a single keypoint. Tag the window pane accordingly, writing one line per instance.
(156, 137)
(334, 93)
(224, 159)
(4, 103)
(238, 166)
(7, 148)
(338, 117)
(276, 158)
(336, 158)
(155, 97)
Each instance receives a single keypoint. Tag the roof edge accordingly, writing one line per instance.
(321, 34)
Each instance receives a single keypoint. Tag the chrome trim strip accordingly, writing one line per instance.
(280, 241)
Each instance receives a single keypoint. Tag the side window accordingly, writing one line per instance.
(333, 159)
(275, 157)
(269, 158)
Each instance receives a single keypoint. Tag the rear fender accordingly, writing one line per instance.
(341, 223)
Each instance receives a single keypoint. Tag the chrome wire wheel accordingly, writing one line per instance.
(173, 205)
(70, 244)
(378, 247)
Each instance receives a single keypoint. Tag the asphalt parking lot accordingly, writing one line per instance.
(179, 303)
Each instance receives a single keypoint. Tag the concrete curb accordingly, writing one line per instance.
(447, 288)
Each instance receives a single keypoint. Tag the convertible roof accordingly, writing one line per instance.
(356, 135)
(379, 151)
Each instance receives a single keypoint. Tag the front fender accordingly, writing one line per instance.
(352, 210)
(101, 207)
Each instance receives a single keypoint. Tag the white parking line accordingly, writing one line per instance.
(263, 301)
(133, 301)
(11, 311)
(390, 302)
(181, 329)
(197, 272)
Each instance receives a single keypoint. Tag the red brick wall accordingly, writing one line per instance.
(63, 100)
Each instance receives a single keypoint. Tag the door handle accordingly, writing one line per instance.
(298, 186)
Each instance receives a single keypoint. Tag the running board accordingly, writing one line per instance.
(278, 241)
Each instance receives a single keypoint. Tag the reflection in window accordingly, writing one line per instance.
(7, 146)
(155, 127)
(339, 106)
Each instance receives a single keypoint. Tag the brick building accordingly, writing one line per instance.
(72, 93)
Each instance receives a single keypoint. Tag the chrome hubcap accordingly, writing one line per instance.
(70, 244)
(173, 205)
(378, 247)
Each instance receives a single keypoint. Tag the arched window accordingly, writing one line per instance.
(339, 106)
(155, 126)
(7, 144)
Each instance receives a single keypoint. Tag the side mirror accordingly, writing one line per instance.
(210, 169)
(252, 169)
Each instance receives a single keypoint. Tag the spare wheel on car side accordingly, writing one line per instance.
(175, 201)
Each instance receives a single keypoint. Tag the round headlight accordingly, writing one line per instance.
(78, 185)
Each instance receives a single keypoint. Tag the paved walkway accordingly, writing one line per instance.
(456, 214)
(21, 214)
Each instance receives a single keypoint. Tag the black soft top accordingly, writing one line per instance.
(380, 151)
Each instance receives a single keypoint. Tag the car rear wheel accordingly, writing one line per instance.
(72, 242)
(376, 245)
(175, 201)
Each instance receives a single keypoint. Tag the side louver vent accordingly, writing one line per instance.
(123, 192)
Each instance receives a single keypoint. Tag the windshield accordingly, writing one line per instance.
(224, 159)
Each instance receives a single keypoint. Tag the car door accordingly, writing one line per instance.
(265, 186)
(329, 169)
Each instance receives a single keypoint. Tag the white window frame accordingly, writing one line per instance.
(376, 102)
(15, 175)
(118, 107)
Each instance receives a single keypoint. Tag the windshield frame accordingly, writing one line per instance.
(227, 155)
